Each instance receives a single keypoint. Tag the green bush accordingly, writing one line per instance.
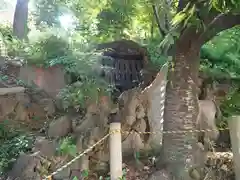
(78, 94)
(47, 48)
(89, 85)
(231, 105)
(155, 55)
(44, 50)
(12, 144)
(67, 147)
(6, 30)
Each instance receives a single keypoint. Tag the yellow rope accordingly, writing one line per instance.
(49, 177)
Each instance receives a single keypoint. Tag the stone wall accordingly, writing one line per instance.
(51, 79)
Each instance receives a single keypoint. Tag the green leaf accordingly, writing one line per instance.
(179, 18)
(85, 173)
(137, 155)
(75, 178)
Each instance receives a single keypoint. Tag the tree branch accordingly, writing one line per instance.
(181, 5)
(219, 23)
(162, 32)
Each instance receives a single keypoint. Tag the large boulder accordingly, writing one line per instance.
(45, 147)
(60, 127)
(25, 168)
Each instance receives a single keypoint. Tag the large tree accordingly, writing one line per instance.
(196, 23)
(20, 19)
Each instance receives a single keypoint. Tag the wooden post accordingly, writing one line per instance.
(115, 147)
(234, 128)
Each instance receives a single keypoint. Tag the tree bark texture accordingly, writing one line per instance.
(20, 19)
(181, 107)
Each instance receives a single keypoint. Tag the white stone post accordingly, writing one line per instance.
(115, 148)
(234, 128)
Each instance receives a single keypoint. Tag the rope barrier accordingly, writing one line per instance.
(180, 131)
(49, 177)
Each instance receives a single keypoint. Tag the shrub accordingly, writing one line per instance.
(12, 144)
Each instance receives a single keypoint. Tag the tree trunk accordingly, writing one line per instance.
(181, 108)
(181, 105)
(20, 19)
